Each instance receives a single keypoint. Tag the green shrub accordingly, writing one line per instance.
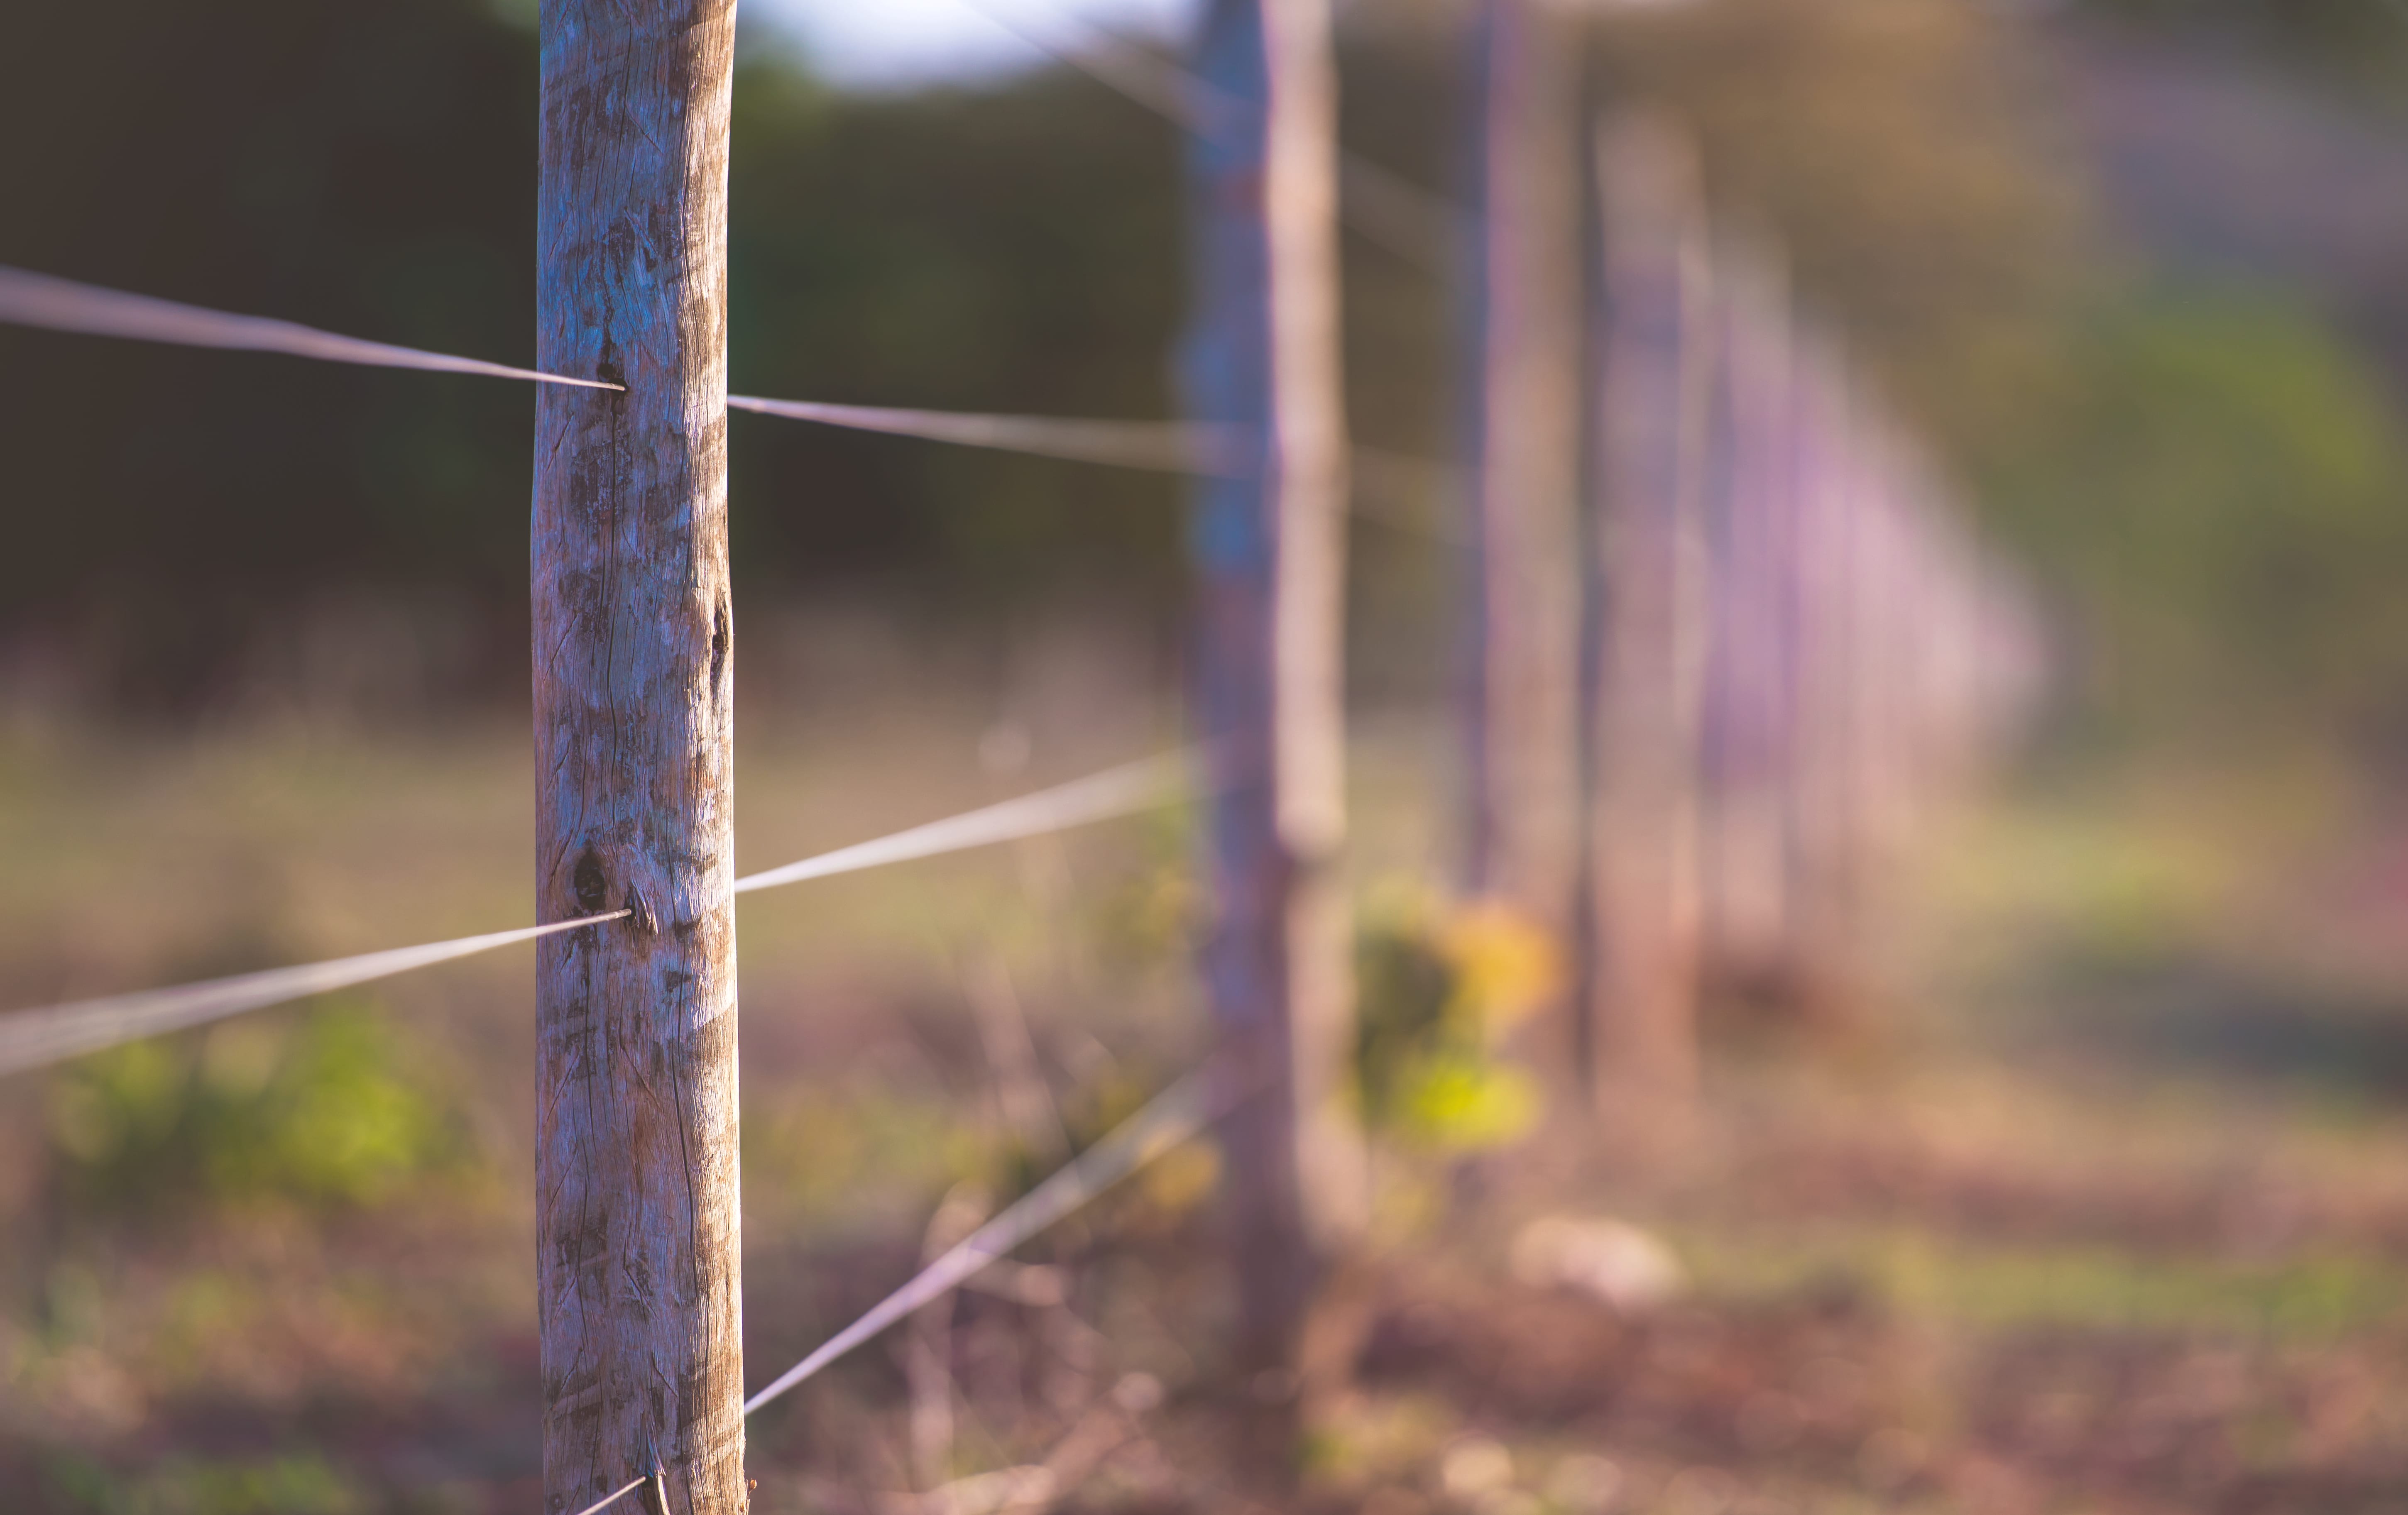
(301, 1485)
(324, 1109)
(1437, 991)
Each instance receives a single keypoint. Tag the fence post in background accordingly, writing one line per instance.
(636, 1204)
(1749, 686)
(1655, 392)
(1262, 352)
(1824, 853)
(1520, 716)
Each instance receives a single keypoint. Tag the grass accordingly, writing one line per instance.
(282, 1267)
(1928, 1275)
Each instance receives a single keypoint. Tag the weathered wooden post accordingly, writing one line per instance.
(1519, 719)
(1654, 357)
(1262, 352)
(636, 1206)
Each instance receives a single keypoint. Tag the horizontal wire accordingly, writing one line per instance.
(1391, 489)
(1176, 1114)
(31, 299)
(1169, 446)
(31, 1038)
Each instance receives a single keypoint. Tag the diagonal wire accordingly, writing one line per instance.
(1171, 446)
(31, 299)
(610, 1499)
(1382, 205)
(31, 1038)
(1391, 489)
(1115, 792)
(1174, 1115)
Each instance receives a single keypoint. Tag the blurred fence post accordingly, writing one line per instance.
(1824, 854)
(1750, 712)
(1262, 352)
(636, 1202)
(1524, 350)
(1655, 398)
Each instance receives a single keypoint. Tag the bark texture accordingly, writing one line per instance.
(637, 1094)
(1268, 549)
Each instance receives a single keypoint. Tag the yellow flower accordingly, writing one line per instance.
(1505, 965)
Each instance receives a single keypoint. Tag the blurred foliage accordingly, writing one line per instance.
(2211, 485)
(884, 1145)
(812, 1151)
(2222, 490)
(2365, 40)
(1012, 249)
(333, 165)
(2205, 482)
(326, 1110)
(1437, 991)
(297, 1485)
(1929, 1275)
(369, 167)
(1899, 157)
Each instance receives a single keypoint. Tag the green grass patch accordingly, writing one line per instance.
(1931, 1276)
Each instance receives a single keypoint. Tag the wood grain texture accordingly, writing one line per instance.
(637, 1095)
(1262, 352)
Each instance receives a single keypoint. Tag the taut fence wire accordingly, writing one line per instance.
(1180, 1112)
(31, 299)
(1390, 485)
(51, 1034)
(1167, 446)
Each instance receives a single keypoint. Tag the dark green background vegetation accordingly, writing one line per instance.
(2208, 480)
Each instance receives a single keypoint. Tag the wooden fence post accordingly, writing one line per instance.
(1750, 686)
(637, 1205)
(1654, 397)
(1262, 352)
(1520, 718)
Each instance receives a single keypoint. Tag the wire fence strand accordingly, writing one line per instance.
(614, 1497)
(1196, 447)
(31, 299)
(30, 1038)
(51, 1034)
(1181, 1111)
(1167, 446)
(1389, 489)
(1178, 1113)
(1116, 791)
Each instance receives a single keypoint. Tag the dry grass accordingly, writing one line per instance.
(1964, 1271)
